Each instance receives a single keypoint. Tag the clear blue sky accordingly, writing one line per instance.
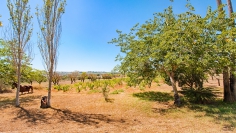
(88, 26)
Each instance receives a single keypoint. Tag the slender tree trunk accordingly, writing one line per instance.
(18, 74)
(219, 2)
(227, 91)
(230, 7)
(49, 92)
(18, 86)
(233, 80)
(50, 86)
(234, 88)
(173, 83)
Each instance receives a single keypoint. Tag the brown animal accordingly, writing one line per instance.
(29, 88)
(25, 88)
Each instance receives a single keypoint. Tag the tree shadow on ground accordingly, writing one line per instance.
(161, 97)
(30, 115)
(154, 96)
(219, 111)
(6, 102)
(83, 118)
(54, 115)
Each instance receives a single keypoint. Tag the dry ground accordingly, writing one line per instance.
(89, 113)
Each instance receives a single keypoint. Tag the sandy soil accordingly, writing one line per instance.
(82, 112)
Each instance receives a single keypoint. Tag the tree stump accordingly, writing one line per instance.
(44, 102)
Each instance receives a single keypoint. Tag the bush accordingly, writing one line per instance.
(58, 87)
(106, 90)
(199, 95)
(4, 88)
(107, 76)
(78, 86)
(65, 88)
(142, 86)
(91, 86)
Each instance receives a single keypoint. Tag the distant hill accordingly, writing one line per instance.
(80, 72)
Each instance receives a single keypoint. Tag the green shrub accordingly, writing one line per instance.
(199, 95)
(65, 88)
(84, 86)
(156, 80)
(58, 87)
(142, 86)
(78, 89)
(97, 84)
(106, 90)
(91, 86)
(78, 86)
(117, 91)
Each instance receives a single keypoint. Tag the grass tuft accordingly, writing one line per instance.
(117, 91)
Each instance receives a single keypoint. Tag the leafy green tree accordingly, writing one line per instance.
(73, 76)
(20, 19)
(139, 62)
(49, 19)
(83, 76)
(92, 77)
(40, 76)
(56, 78)
(184, 44)
(7, 74)
(7, 68)
(27, 74)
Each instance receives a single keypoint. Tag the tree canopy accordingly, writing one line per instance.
(184, 44)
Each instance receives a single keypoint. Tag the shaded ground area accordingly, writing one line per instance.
(132, 111)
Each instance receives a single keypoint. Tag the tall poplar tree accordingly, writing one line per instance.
(49, 19)
(20, 19)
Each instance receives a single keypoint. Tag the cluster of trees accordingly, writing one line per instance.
(73, 76)
(184, 47)
(17, 39)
